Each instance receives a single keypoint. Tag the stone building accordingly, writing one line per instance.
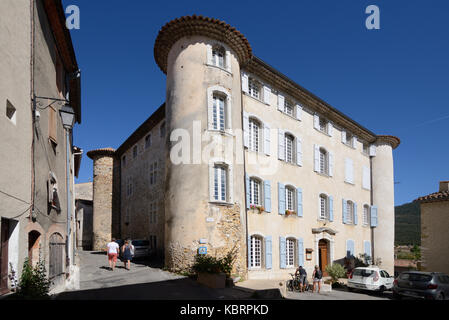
(241, 157)
(434, 226)
(39, 161)
(84, 215)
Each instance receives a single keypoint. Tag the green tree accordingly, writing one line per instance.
(33, 283)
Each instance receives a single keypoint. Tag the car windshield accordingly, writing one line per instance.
(140, 243)
(363, 272)
(415, 277)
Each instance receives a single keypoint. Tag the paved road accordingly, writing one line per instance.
(338, 295)
(144, 281)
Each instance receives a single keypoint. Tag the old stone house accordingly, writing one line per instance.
(240, 156)
(39, 161)
(434, 226)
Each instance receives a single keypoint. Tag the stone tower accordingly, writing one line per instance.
(383, 198)
(183, 51)
(103, 196)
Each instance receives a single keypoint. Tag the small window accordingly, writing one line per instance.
(148, 141)
(324, 207)
(124, 160)
(290, 252)
(135, 152)
(350, 211)
(254, 135)
(254, 88)
(220, 183)
(256, 252)
(162, 129)
(10, 112)
(52, 125)
(324, 161)
(349, 140)
(289, 148)
(323, 125)
(366, 217)
(254, 191)
(366, 149)
(218, 56)
(218, 112)
(290, 198)
(153, 173)
(288, 107)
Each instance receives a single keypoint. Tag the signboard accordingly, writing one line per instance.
(202, 250)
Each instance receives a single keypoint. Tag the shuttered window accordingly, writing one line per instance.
(220, 183)
(254, 135)
(290, 253)
(290, 198)
(254, 191)
(288, 107)
(218, 112)
(52, 125)
(256, 252)
(218, 57)
(323, 207)
(323, 161)
(253, 88)
(366, 217)
(289, 148)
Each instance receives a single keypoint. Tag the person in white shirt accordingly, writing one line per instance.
(113, 251)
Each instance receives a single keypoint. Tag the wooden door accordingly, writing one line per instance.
(323, 255)
(4, 256)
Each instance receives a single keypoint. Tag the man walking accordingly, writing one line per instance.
(113, 251)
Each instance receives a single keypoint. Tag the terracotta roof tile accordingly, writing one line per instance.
(436, 196)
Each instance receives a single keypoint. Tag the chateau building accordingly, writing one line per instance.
(241, 157)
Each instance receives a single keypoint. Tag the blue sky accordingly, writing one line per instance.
(392, 81)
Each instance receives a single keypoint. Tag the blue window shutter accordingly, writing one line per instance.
(247, 190)
(281, 144)
(299, 197)
(249, 252)
(344, 210)
(281, 198)
(266, 138)
(300, 243)
(355, 213)
(298, 152)
(267, 195)
(373, 216)
(367, 248)
(331, 208)
(349, 248)
(268, 252)
(282, 252)
(245, 129)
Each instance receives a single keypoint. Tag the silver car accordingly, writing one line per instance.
(141, 248)
(424, 285)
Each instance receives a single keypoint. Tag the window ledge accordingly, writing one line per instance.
(294, 118)
(350, 183)
(325, 133)
(258, 100)
(226, 132)
(349, 146)
(323, 174)
(221, 203)
(220, 68)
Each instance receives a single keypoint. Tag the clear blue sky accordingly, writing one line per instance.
(392, 81)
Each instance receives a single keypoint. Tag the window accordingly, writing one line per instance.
(220, 183)
(153, 212)
(256, 252)
(129, 186)
(348, 139)
(290, 252)
(324, 209)
(253, 88)
(366, 149)
(148, 141)
(289, 154)
(350, 212)
(134, 152)
(218, 112)
(366, 217)
(289, 198)
(52, 125)
(124, 160)
(153, 173)
(254, 191)
(288, 107)
(218, 56)
(10, 112)
(323, 125)
(323, 161)
(254, 135)
(162, 130)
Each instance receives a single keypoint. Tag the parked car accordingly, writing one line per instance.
(370, 278)
(424, 285)
(141, 248)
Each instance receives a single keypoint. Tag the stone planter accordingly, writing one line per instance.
(212, 280)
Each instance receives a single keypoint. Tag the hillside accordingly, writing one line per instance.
(408, 224)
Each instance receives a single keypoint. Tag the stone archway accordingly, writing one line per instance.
(324, 247)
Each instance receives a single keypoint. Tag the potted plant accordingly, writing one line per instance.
(289, 212)
(259, 208)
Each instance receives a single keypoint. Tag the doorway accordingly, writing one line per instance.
(33, 247)
(4, 243)
(323, 255)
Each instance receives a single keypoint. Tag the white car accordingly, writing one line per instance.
(370, 278)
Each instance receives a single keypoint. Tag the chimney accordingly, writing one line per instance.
(444, 186)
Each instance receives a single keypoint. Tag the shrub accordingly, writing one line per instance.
(33, 283)
(335, 271)
(208, 264)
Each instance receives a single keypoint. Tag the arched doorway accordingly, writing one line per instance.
(33, 247)
(323, 255)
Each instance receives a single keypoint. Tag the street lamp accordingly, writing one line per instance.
(68, 116)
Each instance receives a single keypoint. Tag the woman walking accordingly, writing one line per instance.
(317, 275)
(127, 254)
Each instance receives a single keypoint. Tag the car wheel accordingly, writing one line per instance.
(382, 289)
